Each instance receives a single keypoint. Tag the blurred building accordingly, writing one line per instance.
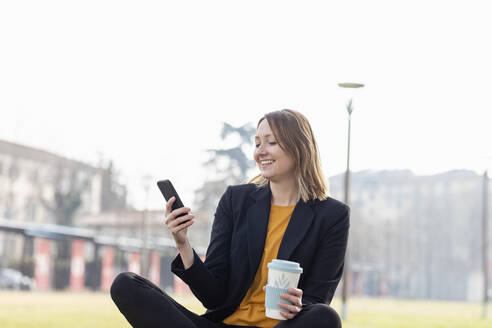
(66, 224)
(415, 236)
(39, 186)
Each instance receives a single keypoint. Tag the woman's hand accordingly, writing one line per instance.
(178, 226)
(295, 297)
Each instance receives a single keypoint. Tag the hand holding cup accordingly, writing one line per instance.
(294, 296)
(283, 300)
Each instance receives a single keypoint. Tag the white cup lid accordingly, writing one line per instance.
(283, 265)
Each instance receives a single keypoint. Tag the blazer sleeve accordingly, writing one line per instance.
(208, 280)
(327, 269)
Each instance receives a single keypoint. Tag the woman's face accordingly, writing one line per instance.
(274, 163)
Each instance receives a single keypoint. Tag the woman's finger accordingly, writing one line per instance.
(292, 298)
(175, 213)
(182, 226)
(288, 315)
(289, 307)
(180, 220)
(295, 291)
(169, 205)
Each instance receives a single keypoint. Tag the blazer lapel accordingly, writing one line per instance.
(299, 223)
(257, 217)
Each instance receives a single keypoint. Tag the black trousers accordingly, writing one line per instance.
(145, 305)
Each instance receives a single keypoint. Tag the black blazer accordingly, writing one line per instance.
(316, 238)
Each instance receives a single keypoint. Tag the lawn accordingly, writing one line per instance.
(77, 310)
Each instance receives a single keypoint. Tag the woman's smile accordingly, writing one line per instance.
(266, 163)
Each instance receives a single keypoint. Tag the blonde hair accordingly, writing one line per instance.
(295, 136)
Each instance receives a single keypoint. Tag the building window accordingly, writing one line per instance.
(30, 209)
(34, 176)
(14, 172)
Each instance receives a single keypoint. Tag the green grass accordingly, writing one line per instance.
(77, 310)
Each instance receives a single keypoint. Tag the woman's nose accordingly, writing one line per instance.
(261, 149)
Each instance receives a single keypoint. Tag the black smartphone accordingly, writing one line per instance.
(168, 191)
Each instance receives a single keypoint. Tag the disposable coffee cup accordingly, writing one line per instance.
(282, 275)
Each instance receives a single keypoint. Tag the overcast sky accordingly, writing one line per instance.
(148, 83)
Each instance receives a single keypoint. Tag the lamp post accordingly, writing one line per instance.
(485, 232)
(350, 109)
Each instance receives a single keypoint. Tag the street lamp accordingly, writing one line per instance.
(350, 109)
(485, 243)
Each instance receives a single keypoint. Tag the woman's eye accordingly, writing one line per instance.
(272, 143)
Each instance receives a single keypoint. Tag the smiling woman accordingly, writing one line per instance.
(284, 213)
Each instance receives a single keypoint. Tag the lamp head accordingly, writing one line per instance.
(350, 85)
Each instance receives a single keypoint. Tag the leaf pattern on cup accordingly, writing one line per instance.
(282, 282)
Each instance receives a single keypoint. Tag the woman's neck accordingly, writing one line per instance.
(284, 193)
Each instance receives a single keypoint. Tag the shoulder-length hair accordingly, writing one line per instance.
(293, 133)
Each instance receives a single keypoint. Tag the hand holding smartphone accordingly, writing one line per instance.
(178, 224)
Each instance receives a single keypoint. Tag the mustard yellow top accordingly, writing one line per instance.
(251, 311)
